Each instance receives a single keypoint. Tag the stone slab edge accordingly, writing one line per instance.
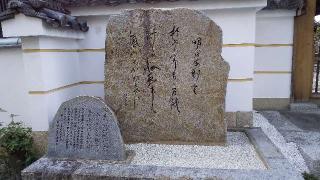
(302, 107)
(271, 103)
(278, 167)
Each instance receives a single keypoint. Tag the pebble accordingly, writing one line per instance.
(239, 153)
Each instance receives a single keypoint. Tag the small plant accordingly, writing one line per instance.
(16, 150)
(308, 176)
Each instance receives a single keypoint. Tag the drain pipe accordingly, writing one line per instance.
(10, 42)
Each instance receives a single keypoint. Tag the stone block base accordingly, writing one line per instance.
(239, 119)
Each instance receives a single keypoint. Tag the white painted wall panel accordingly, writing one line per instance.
(47, 71)
(13, 86)
(96, 36)
(92, 66)
(57, 43)
(50, 70)
(239, 96)
(59, 69)
(39, 112)
(241, 61)
(238, 25)
(33, 69)
(273, 59)
(273, 28)
(272, 85)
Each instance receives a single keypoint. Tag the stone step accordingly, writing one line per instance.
(304, 107)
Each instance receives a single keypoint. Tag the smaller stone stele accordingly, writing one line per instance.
(85, 128)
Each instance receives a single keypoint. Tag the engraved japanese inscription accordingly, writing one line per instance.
(165, 77)
(85, 128)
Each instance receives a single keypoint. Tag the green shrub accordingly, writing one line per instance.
(16, 150)
(308, 176)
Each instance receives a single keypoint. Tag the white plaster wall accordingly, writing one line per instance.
(13, 89)
(95, 37)
(238, 27)
(46, 71)
(275, 27)
(272, 85)
(273, 64)
(49, 70)
(273, 58)
(239, 96)
(92, 63)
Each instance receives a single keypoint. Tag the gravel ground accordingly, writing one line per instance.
(238, 154)
(289, 150)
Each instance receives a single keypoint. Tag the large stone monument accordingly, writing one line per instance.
(165, 77)
(85, 128)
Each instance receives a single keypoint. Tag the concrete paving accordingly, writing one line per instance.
(303, 129)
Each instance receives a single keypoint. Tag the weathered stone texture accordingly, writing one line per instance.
(165, 77)
(244, 119)
(85, 128)
(239, 119)
(231, 119)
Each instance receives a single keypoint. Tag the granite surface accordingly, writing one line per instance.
(165, 77)
(85, 128)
